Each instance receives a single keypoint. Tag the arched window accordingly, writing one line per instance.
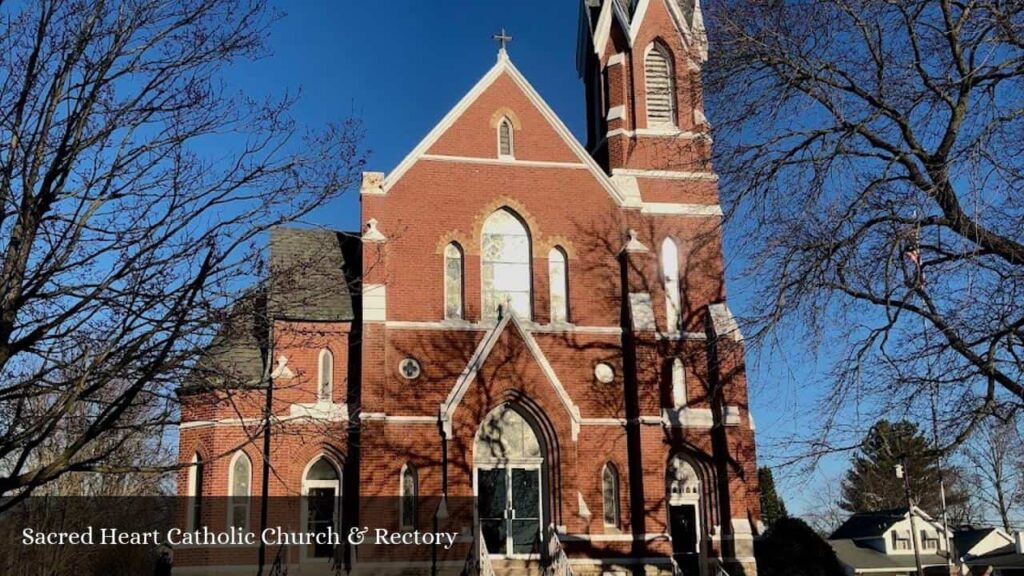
(195, 493)
(325, 380)
(610, 494)
(240, 490)
(409, 493)
(558, 276)
(683, 481)
(678, 384)
(506, 275)
(661, 91)
(684, 506)
(453, 283)
(321, 486)
(506, 139)
(505, 436)
(670, 276)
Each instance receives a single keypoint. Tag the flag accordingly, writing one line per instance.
(912, 252)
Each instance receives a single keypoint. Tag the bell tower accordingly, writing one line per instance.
(640, 61)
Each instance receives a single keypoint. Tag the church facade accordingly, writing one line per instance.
(529, 321)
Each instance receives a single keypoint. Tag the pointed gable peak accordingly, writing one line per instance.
(510, 323)
(687, 16)
(504, 67)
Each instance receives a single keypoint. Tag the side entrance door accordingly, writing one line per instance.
(683, 520)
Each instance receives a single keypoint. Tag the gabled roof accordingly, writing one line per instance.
(235, 356)
(1003, 558)
(310, 274)
(483, 351)
(863, 558)
(868, 524)
(629, 14)
(874, 524)
(504, 66)
(966, 538)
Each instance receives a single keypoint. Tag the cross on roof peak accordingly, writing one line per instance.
(503, 39)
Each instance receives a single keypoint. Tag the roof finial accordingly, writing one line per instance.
(503, 39)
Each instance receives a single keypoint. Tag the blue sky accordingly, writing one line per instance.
(401, 65)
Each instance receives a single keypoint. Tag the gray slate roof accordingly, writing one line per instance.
(868, 524)
(1002, 558)
(235, 354)
(965, 538)
(313, 276)
(311, 273)
(861, 557)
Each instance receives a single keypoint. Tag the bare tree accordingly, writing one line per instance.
(876, 150)
(996, 458)
(823, 512)
(134, 188)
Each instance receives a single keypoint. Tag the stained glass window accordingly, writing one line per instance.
(610, 494)
(670, 276)
(453, 282)
(506, 435)
(325, 384)
(678, 384)
(241, 478)
(195, 492)
(505, 138)
(409, 495)
(506, 274)
(558, 276)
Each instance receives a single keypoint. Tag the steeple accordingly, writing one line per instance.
(640, 61)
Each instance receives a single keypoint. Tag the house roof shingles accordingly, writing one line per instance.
(868, 524)
(311, 271)
(865, 558)
(312, 279)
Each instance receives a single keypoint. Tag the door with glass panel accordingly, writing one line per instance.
(321, 506)
(509, 510)
(508, 458)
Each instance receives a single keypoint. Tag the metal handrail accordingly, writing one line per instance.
(559, 560)
(678, 570)
(279, 568)
(478, 563)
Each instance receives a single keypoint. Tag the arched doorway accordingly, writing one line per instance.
(684, 515)
(509, 460)
(321, 510)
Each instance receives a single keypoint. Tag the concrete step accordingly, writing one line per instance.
(517, 567)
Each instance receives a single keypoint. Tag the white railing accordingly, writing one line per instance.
(559, 561)
(677, 570)
(478, 563)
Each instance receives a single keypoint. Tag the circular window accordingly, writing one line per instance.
(409, 368)
(604, 373)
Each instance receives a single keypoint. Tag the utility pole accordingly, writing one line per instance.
(946, 534)
(268, 412)
(904, 473)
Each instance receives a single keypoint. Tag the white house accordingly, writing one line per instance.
(993, 552)
(882, 543)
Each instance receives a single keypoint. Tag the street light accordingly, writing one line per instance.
(901, 472)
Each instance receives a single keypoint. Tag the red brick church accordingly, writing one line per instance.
(526, 319)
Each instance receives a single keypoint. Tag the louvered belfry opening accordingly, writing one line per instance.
(661, 109)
